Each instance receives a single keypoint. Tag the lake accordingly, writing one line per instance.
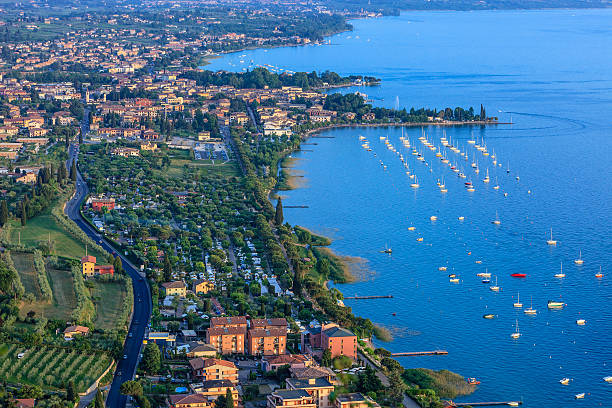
(548, 72)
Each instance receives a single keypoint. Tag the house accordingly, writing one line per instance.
(314, 372)
(125, 152)
(213, 389)
(270, 363)
(71, 331)
(189, 401)
(200, 349)
(176, 288)
(97, 204)
(202, 286)
(354, 400)
(24, 403)
(89, 267)
(268, 341)
(26, 178)
(289, 399)
(227, 340)
(268, 323)
(318, 388)
(229, 321)
(368, 117)
(213, 369)
(88, 264)
(341, 342)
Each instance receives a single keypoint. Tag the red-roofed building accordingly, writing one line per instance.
(206, 369)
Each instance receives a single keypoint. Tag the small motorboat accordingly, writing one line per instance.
(580, 396)
(552, 304)
(580, 322)
(454, 280)
(518, 275)
(473, 381)
(486, 280)
(420, 239)
(452, 275)
(442, 268)
(608, 379)
(433, 218)
(461, 218)
(488, 316)
(564, 381)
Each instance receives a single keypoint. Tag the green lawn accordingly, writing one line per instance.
(64, 299)
(24, 263)
(51, 367)
(108, 297)
(44, 226)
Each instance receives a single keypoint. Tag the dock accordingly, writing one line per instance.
(295, 206)
(484, 404)
(369, 297)
(421, 353)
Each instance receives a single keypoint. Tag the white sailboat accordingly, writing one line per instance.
(486, 179)
(560, 274)
(415, 184)
(551, 241)
(530, 310)
(494, 288)
(518, 303)
(579, 261)
(496, 221)
(516, 333)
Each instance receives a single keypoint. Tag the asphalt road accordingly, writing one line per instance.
(126, 367)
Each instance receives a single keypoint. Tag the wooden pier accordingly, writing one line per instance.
(369, 297)
(484, 404)
(420, 353)
(295, 206)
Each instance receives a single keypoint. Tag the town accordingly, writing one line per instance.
(182, 169)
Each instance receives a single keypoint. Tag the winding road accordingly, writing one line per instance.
(126, 366)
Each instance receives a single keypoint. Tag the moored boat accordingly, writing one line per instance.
(553, 304)
(518, 275)
(564, 381)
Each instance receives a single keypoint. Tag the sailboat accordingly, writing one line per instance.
(551, 241)
(494, 288)
(496, 221)
(560, 274)
(416, 183)
(486, 179)
(579, 261)
(496, 186)
(508, 168)
(599, 275)
(530, 310)
(516, 333)
(387, 250)
(518, 303)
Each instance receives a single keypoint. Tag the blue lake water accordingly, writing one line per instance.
(549, 72)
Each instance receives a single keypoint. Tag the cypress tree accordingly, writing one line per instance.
(24, 215)
(297, 279)
(73, 175)
(229, 399)
(66, 141)
(167, 269)
(71, 393)
(278, 216)
(99, 401)
(3, 213)
(80, 137)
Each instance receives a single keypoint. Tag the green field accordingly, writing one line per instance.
(24, 263)
(44, 227)
(108, 297)
(50, 367)
(176, 168)
(64, 299)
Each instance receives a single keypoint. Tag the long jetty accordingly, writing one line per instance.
(420, 353)
(295, 206)
(369, 297)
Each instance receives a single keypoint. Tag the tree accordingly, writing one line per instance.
(73, 175)
(368, 380)
(396, 389)
(151, 358)
(80, 137)
(326, 358)
(297, 279)
(99, 400)
(24, 214)
(71, 392)
(220, 402)
(167, 269)
(278, 216)
(132, 388)
(117, 264)
(229, 399)
(3, 213)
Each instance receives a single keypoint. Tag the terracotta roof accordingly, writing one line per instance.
(187, 399)
(25, 402)
(270, 332)
(286, 359)
(76, 329)
(173, 285)
(88, 258)
(281, 322)
(338, 332)
(199, 363)
(220, 331)
(227, 321)
(311, 372)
